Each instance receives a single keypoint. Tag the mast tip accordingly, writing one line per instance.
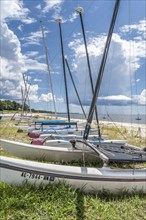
(79, 10)
(59, 20)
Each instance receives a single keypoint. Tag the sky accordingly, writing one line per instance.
(123, 87)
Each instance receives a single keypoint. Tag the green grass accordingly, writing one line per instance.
(60, 202)
(122, 133)
(10, 131)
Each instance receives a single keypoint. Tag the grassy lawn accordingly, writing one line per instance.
(62, 202)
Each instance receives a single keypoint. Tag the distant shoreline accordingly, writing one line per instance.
(137, 128)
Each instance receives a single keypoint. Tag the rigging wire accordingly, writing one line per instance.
(110, 69)
(48, 67)
(136, 88)
(145, 66)
(73, 29)
(61, 89)
(101, 70)
(115, 125)
(130, 52)
(68, 36)
(108, 86)
(119, 130)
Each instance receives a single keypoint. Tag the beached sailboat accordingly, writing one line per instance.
(45, 128)
(69, 129)
(17, 171)
(63, 150)
(138, 118)
(91, 137)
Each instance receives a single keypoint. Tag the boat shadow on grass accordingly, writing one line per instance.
(80, 206)
(60, 197)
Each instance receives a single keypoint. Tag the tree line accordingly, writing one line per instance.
(15, 106)
(11, 105)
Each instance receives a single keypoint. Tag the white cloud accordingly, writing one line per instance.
(33, 90)
(46, 97)
(15, 10)
(75, 35)
(124, 100)
(14, 64)
(73, 17)
(52, 5)
(41, 57)
(33, 93)
(122, 63)
(140, 99)
(115, 100)
(28, 20)
(143, 93)
(55, 6)
(10, 45)
(37, 80)
(118, 97)
(34, 38)
(138, 27)
(9, 71)
(32, 53)
(10, 89)
(57, 14)
(61, 100)
(20, 27)
(38, 7)
(35, 65)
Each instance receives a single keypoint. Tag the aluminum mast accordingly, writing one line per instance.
(48, 68)
(75, 87)
(80, 10)
(101, 70)
(64, 71)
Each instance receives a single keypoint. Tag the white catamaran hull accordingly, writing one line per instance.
(56, 150)
(73, 136)
(62, 152)
(17, 172)
(60, 131)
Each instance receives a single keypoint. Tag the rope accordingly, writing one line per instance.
(4, 128)
(116, 126)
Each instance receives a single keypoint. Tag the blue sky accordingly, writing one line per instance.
(22, 52)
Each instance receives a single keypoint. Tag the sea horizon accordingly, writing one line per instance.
(122, 118)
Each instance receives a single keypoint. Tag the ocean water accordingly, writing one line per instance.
(133, 119)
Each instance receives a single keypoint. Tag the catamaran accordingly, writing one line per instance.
(18, 171)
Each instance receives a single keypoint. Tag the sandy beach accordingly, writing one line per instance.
(137, 130)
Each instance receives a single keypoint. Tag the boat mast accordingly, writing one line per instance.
(101, 70)
(27, 99)
(48, 67)
(24, 95)
(80, 10)
(64, 71)
(75, 87)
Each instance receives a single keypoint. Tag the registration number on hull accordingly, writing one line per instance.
(37, 176)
